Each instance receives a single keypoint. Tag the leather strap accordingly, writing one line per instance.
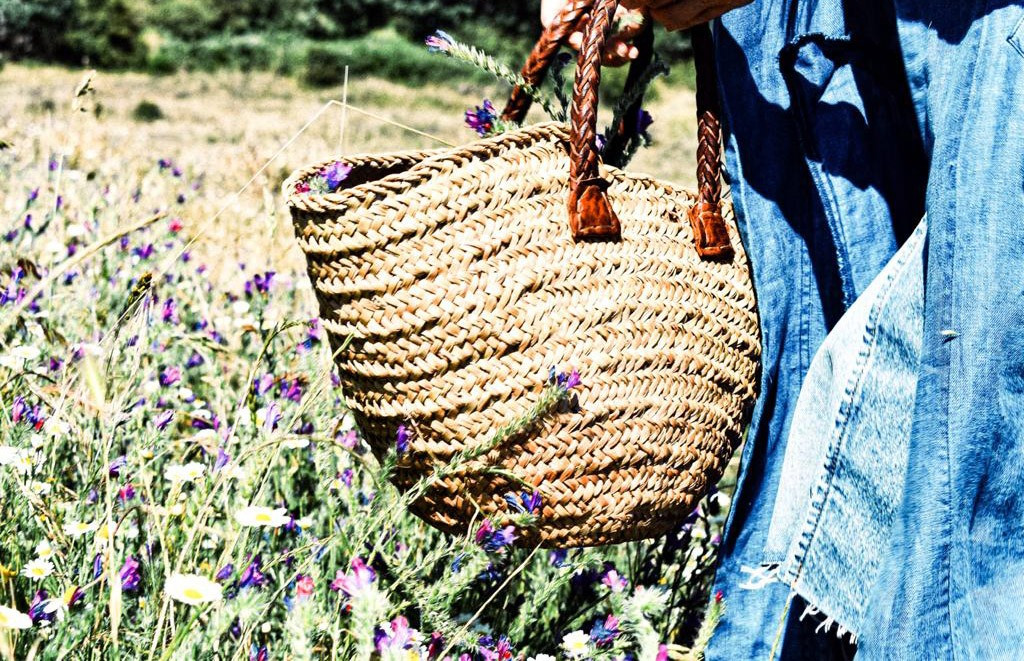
(591, 216)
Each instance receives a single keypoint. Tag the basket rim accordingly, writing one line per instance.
(424, 163)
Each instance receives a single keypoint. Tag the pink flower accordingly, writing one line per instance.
(614, 581)
(355, 582)
(303, 588)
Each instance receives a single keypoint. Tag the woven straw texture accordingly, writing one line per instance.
(450, 284)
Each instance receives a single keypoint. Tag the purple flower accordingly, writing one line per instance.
(169, 313)
(163, 420)
(481, 119)
(223, 459)
(253, 575)
(402, 439)
(130, 575)
(494, 540)
(524, 503)
(170, 375)
(356, 581)
(18, 409)
(603, 634)
(439, 42)
(397, 637)
(292, 390)
(259, 283)
(126, 493)
(614, 581)
(271, 416)
(643, 120)
(225, 572)
(33, 195)
(263, 384)
(37, 609)
(116, 466)
(97, 565)
(258, 653)
(144, 252)
(53, 164)
(195, 360)
(333, 174)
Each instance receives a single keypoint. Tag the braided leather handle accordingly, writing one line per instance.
(590, 213)
(543, 54)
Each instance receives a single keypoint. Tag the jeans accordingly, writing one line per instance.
(847, 121)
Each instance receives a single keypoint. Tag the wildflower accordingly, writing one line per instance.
(37, 569)
(225, 572)
(163, 420)
(558, 557)
(116, 466)
(16, 457)
(170, 375)
(303, 588)
(604, 633)
(126, 493)
(397, 636)
(44, 550)
(268, 417)
(255, 516)
(493, 540)
(195, 360)
(576, 644)
(335, 173)
(292, 390)
(482, 119)
(13, 619)
(662, 653)
(192, 589)
(614, 581)
(175, 225)
(402, 439)
(223, 459)
(169, 312)
(439, 42)
(130, 575)
(263, 384)
(253, 576)
(643, 120)
(79, 528)
(302, 187)
(525, 503)
(259, 283)
(179, 474)
(357, 581)
(350, 439)
(144, 252)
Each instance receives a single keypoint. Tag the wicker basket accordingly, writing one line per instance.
(451, 281)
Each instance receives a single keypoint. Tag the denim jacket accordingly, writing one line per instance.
(849, 121)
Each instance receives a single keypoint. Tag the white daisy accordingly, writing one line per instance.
(12, 619)
(190, 472)
(255, 515)
(37, 569)
(192, 589)
(79, 528)
(43, 550)
(576, 645)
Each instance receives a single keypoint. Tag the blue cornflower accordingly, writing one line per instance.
(482, 119)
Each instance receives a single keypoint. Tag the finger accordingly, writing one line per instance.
(576, 40)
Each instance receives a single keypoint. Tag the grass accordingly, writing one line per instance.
(161, 371)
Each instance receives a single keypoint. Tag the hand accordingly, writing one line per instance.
(681, 14)
(618, 50)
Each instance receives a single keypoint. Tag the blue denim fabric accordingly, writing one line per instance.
(846, 121)
(811, 92)
(846, 457)
(953, 577)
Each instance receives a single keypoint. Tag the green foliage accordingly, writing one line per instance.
(384, 54)
(106, 33)
(147, 111)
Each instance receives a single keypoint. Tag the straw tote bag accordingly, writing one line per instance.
(451, 281)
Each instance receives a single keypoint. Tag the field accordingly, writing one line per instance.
(178, 477)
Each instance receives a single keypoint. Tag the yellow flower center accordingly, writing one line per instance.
(263, 517)
(3, 619)
(192, 593)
